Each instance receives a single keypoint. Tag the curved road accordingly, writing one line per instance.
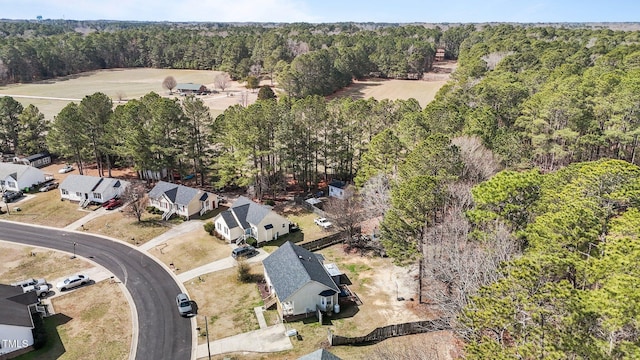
(162, 333)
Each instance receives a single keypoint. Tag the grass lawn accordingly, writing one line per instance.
(93, 322)
(191, 250)
(44, 209)
(122, 227)
(227, 303)
(423, 91)
(17, 263)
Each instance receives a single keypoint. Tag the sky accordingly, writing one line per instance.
(325, 11)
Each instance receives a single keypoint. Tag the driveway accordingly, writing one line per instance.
(162, 332)
(221, 264)
(271, 339)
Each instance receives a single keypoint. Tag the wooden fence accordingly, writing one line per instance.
(386, 332)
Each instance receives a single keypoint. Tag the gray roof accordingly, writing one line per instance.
(228, 218)
(87, 184)
(13, 170)
(188, 86)
(320, 354)
(14, 306)
(252, 212)
(38, 156)
(338, 184)
(291, 267)
(177, 194)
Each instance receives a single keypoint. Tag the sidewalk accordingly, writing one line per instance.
(271, 339)
(221, 264)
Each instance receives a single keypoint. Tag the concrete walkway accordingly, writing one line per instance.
(259, 310)
(85, 219)
(221, 264)
(181, 229)
(271, 339)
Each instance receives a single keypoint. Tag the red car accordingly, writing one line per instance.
(112, 204)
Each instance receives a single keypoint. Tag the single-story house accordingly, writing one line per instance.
(191, 88)
(38, 160)
(337, 188)
(299, 281)
(16, 321)
(246, 218)
(320, 354)
(181, 200)
(86, 189)
(18, 176)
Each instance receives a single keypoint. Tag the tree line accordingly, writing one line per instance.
(307, 59)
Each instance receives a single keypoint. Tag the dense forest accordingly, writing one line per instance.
(517, 189)
(307, 59)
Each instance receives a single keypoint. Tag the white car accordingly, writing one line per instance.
(30, 282)
(41, 290)
(67, 168)
(72, 281)
(323, 223)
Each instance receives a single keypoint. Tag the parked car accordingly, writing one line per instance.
(323, 223)
(10, 196)
(67, 168)
(29, 282)
(244, 251)
(184, 304)
(41, 290)
(72, 281)
(112, 204)
(49, 186)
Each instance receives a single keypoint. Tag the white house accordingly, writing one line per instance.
(299, 281)
(337, 188)
(181, 200)
(246, 218)
(18, 176)
(86, 189)
(16, 322)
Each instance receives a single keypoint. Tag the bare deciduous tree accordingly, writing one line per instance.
(135, 198)
(480, 163)
(120, 95)
(222, 81)
(346, 213)
(376, 195)
(169, 83)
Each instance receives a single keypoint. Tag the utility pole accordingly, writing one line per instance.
(206, 329)
(74, 250)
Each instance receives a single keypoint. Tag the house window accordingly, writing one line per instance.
(11, 184)
(283, 226)
(97, 196)
(1, 182)
(226, 230)
(65, 192)
(218, 226)
(78, 194)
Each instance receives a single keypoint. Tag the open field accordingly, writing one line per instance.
(50, 96)
(119, 226)
(188, 251)
(93, 322)
(43, 209)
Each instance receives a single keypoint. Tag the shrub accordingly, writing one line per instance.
(244, 274)
(209, 227)
(252, 241)
(270, 202)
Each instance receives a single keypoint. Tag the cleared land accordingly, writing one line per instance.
(191, 250)
(51, 96)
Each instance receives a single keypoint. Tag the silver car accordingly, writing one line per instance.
(184, 304)
(41, 290)
(29, 282)
(72, 281)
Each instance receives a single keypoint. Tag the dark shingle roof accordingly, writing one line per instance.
(228, 218)
(291, 267)
(338, 184)
(177, 194)
(252, 212)
(320, 354)
(14, 308)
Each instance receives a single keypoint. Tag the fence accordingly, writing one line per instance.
(386, 332)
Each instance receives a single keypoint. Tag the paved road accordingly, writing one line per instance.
(163, 334)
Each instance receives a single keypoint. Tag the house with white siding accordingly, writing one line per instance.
(245, 219)
(181, 200)
(16, 322)
(87, 189)
(16, 177)
(298, 281)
